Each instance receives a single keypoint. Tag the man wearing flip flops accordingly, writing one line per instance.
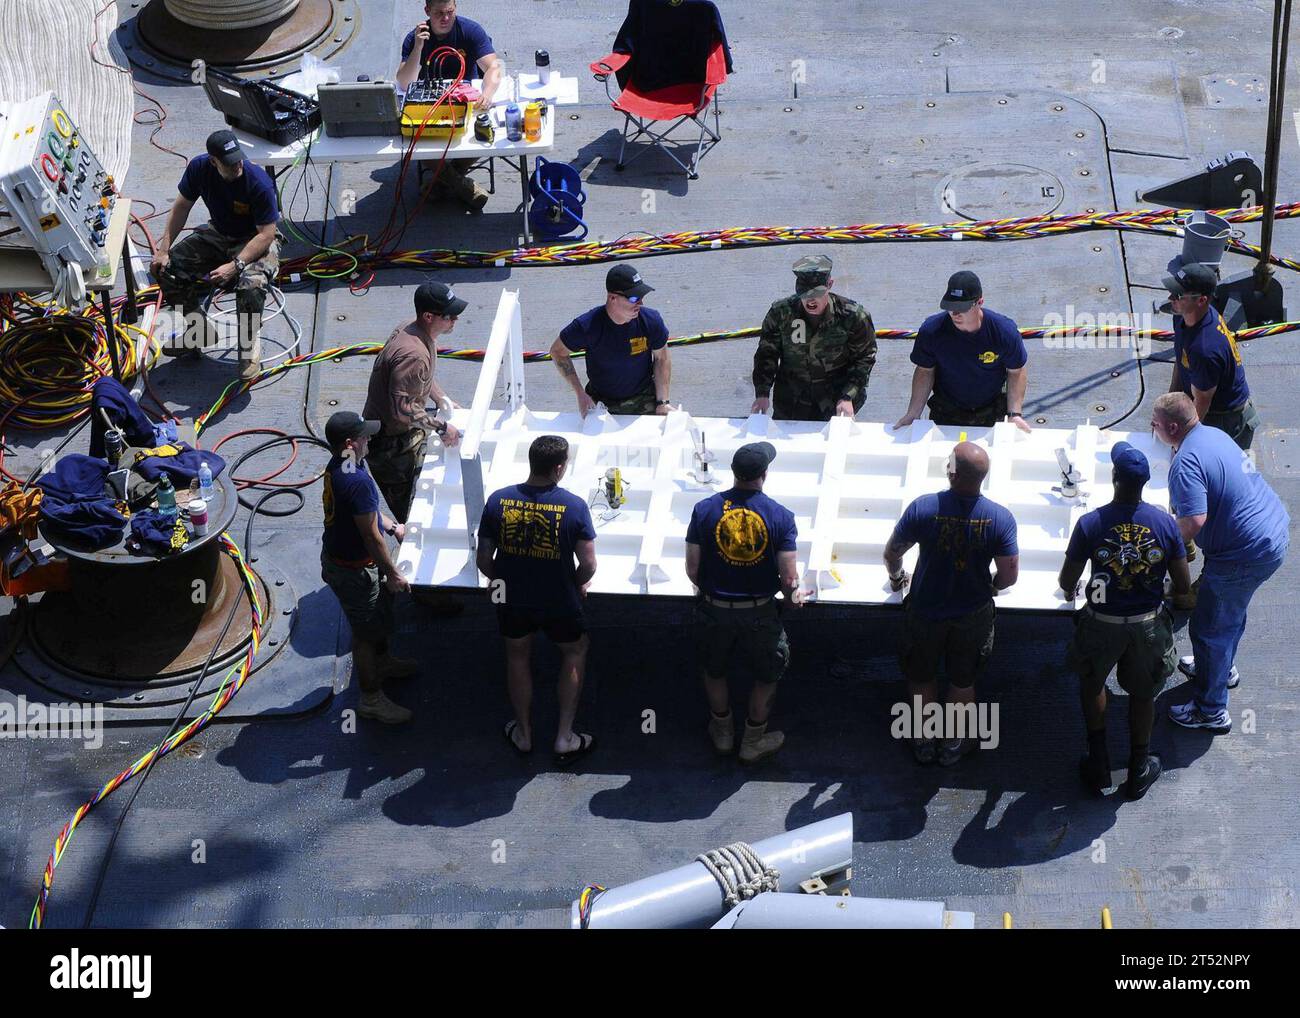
(528, 540)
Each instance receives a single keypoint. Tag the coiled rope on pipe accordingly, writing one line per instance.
(739, 871)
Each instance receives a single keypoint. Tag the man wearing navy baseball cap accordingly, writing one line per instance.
(740, 552)
(970, 362)
(1123, 624)
(1207, 362)
(356, 564)
(238, 249)
(626, 344)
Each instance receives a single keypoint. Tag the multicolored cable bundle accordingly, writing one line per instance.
(51, 357)
(1163, 221)
(224, 694)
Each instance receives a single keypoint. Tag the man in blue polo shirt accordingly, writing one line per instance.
(1124, 624)
(1244, 530)
(740, 551)
(444, 29)
(971, 359)
(238, 248)
(529, 537)
(1207, 363)
(353, 557)
(948, 616)
(626, 345)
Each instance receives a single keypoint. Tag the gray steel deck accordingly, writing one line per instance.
(304, 825)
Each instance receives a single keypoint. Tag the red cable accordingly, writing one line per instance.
(245, 482)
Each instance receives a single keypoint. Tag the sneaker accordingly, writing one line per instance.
(723, 733)
(952, 750)
(1187, 665)
(759, 743)
(1095, 774)
(378, 707)
(1191, 716)
(390, 667)
(1138, 784)
(924, 751)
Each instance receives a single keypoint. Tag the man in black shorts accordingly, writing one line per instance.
(528, 539)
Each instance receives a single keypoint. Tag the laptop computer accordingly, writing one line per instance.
(359, 108)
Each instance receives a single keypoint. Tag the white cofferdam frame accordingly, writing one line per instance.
(846, 481)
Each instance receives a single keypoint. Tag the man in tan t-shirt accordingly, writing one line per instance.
(401, 381)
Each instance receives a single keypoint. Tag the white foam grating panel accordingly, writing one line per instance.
(847, 483)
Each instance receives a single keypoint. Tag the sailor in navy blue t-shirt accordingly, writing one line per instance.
(1132, 546)
(443, 28)
(740, 552)
(357, 565)
(529, 538)
(1207, 361)
(970, 362)
(237, 249)
(626, 348)
(948, 616)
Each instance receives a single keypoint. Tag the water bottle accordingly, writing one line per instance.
(205, 483)
(533, 122)
(514, 122)
(166, 497)
(543, 67)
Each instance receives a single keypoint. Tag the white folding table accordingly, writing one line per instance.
(389, 149)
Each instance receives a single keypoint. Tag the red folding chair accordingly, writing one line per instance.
(644, 106)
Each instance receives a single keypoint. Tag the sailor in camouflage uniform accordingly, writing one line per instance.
(816, 350)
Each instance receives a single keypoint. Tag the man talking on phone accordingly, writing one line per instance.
(470, 39)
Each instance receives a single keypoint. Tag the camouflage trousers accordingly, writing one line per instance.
(206, 249)
(639, 403)
(395, 462)
(944, 411)
(814, 405)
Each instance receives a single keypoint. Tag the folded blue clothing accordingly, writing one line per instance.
(94, 522)
(115, 399)
(165, 433)
(74, 476)
(151, 532)
(181, 468)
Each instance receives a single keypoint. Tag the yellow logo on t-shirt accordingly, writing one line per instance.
(638, 345)
(741, 535)
(1183, 361)
(240, 208)
(988, 357)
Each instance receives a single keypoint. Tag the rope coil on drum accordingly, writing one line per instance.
(740, 872)
(225, 14)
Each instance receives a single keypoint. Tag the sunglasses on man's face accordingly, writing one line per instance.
(630, 298)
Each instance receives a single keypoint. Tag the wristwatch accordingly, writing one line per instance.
(439, 427)
(664, 402)
(240, 265)
(1016, 413)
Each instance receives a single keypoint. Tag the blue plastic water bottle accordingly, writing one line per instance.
(514, 122)
(205, 483)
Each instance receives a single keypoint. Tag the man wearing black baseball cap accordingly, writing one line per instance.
(1123, 624)
(237, 249)
(740, 551)
(1207, 362)
(970, 362)
(402, 380)
(626, 344)
(354, 555)
(815, 351)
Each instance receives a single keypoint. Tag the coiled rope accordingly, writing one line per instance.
(739, 871)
